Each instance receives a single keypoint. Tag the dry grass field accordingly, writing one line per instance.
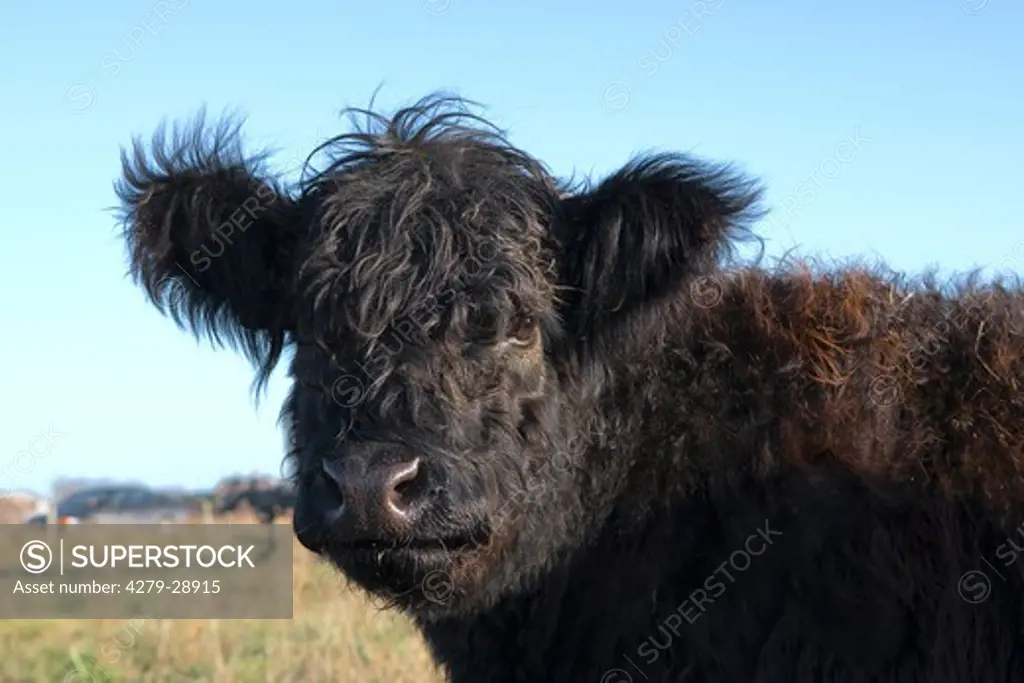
(335, 635)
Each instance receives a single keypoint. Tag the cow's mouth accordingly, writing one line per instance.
(400, 566)
(427, 575)
(448, 544)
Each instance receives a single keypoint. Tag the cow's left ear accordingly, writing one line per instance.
(645, 231)
(211, 237)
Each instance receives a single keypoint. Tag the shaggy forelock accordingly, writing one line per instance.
(431, 204)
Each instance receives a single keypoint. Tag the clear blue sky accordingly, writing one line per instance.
(933, 85)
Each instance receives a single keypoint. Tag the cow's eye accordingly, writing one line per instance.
(523, 331)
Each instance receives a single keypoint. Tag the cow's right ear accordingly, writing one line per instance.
(211, 239)
(645, 232)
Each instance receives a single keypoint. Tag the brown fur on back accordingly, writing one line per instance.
(896, 381)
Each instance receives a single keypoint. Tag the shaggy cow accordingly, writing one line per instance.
(547, 422)
(267, 503)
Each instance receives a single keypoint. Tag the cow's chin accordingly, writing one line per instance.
(427, 580)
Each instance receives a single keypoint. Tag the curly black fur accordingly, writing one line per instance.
(640, 462)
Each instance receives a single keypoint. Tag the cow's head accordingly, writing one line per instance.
(449, 304)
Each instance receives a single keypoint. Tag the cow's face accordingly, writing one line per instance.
(454, 313)
(425, 403)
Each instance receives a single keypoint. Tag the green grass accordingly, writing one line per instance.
(336, 635)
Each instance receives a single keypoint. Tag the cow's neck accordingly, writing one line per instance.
(579, 629)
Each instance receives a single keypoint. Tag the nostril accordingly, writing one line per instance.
(405, 486)
(373, 499)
